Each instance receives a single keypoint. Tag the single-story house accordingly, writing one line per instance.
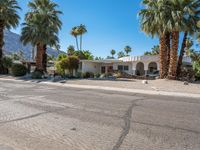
(133, 65)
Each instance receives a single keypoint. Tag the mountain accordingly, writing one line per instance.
(12, 44)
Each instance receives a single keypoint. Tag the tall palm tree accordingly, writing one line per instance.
(112, 52)
(41, 28)
(81, 31)
(127, 49)
(75, 33)
(153, 23)
(191, 16)
(8, 18)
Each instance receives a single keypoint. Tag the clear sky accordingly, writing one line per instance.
(111, 24)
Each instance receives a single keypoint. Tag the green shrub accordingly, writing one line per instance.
(79, 75)
(196, 68)
(59, 69)
(88, 75)
(97, 75)
(7, 62)
(37, 75)
(18, 70)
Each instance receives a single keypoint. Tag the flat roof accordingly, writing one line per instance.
(103, 61)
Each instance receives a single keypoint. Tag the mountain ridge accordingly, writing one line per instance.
(12, 44)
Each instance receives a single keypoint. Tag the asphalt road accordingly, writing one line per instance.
(35, 116)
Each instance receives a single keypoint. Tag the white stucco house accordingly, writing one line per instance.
(133, 65)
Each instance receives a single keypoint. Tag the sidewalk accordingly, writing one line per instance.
(155, 87)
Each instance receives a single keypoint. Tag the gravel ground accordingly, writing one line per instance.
(158, 85)
(35, 116)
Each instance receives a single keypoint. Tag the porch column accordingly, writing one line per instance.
(146, 68)
(106, 67)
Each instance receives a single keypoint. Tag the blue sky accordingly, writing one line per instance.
(111, 24)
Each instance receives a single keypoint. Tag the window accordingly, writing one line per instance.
(120, 68)
(126, 68)
(123, 68)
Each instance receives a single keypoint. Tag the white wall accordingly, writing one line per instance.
(129, 64)
(91, 67)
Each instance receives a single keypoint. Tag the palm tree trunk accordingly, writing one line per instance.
(163, 60)
(182, 52)
(39, 57)
(1, 47)
(77, 43)
(44, 60)
(174, 55)
(168, 48)
(81, 42)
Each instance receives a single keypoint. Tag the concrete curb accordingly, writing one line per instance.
(125, 90)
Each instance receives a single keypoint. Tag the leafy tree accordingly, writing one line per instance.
(87, 55)
(120, 54)
(61, 57)
(8, 19)
(41, 28)
(195, 55)
(70, 63)
(70, 50)
(127, 50)
(73, 64)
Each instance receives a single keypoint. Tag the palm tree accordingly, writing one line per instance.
(75, 33)
(153, 23)
(41, 28)
(112, 52)
(120, 54)
(70, 50)
(127, 49)
(155, 50)
(81, 31)
(8, 18)
(191, 16)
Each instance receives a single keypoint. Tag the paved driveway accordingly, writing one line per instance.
(43, 117)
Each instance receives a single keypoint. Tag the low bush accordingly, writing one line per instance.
(18, 70)
(88, 75)
(37, 75)
(97, 75)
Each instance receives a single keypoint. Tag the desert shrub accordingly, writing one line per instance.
(18, 70)
(88, 75)
(97, 75)
(37, 75)
(7, 62)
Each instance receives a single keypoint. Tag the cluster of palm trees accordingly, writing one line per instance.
(167, 19)
(40, 28)
(120, 54)
(79, 31)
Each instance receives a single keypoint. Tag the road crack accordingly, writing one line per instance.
(127, 124)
